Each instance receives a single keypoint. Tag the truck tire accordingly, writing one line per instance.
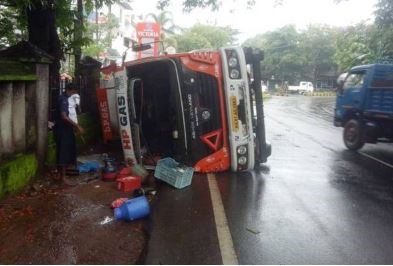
(353, 135)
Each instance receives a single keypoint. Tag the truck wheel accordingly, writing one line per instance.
(353, 135)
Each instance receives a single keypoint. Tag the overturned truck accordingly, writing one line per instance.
(198, 108)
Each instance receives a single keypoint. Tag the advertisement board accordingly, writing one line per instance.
(103, 108)
(148, 33)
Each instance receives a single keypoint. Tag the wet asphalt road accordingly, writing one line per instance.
(315, 203)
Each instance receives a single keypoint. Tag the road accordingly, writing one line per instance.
(314, 203)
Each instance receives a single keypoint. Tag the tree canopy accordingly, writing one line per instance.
(293, 55)
(202, 37)
(50, 24)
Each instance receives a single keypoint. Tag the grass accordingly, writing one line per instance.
(17, 173)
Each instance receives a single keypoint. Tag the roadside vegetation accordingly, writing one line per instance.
(290, 55)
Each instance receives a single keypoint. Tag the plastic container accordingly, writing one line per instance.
(89, 166)
(124, 172)
(128, 183)
(133, 209)
(109, 165)
(168, 171)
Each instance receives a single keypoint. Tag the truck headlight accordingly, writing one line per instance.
(235, 74)
(242, 150)
(232, 62)
(242, 160)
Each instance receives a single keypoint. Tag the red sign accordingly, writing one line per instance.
(148, 33)
(103, 107)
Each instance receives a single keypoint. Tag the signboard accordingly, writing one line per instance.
(124, 118)
(103, 108)
(148, 33)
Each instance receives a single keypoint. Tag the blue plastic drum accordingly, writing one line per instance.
(133, 209)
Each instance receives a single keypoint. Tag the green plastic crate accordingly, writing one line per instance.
(168, 171)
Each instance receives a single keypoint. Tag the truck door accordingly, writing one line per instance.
(350, 98)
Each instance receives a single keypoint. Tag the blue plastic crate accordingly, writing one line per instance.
(168, 171)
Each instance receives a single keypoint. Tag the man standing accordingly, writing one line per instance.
(64, 132)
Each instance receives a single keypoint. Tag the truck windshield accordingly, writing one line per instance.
(354, 81)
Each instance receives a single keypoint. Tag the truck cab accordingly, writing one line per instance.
(306, 86)
(195, 107)
(364, 105)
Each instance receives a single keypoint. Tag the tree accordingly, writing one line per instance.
(49, 25)
(318, 47)
(283, 58)
(190, 41)
(12, 29)
(292, 56)
(384, 27)
(101, 36)
(353, 46)
(165, 19)
(365, 44)
(204, 36)
(189, 5)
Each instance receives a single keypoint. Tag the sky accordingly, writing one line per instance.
(265, 16)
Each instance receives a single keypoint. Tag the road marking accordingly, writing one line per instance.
(378, 160)
(227, 250)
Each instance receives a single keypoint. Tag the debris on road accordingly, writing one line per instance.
(254, 231)
(89, 166)
(98, 158)
(124, 172)
(128, 183)
(118, 202)
(139, 170)
(133, 209)
(109, 172)
(170, 171)
(76, 223)
(107, 220)
(145, 191)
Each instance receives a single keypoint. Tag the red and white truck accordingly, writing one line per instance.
(195, 107)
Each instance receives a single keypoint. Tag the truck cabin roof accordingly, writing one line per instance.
(364, 67)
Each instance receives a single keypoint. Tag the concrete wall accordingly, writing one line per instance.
(6, 141)
(13, 118)
(19, 116)
(16, 167)
(24, 97)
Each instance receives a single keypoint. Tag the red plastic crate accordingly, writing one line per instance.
(129, 183)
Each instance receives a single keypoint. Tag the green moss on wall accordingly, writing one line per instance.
(16, 174)
(2, 190)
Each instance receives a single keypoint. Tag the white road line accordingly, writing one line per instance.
(228, 253)
(378, 160)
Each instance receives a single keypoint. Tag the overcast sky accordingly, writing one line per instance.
(265, 16)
